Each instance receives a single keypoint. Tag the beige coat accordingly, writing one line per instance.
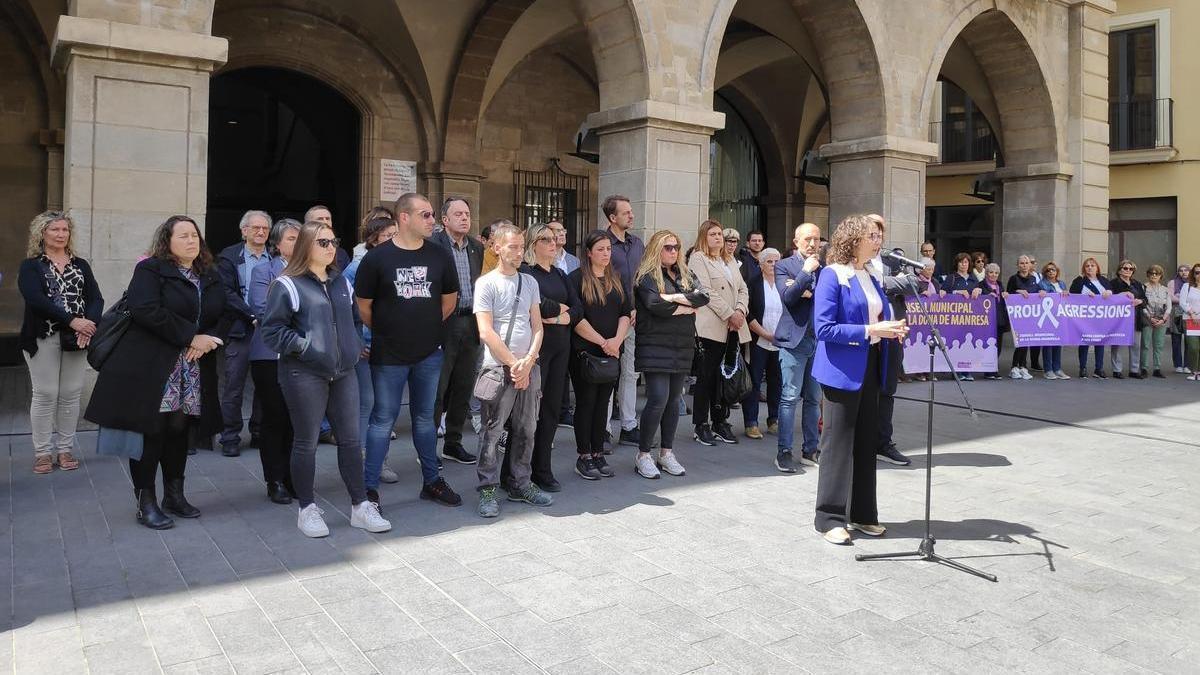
(725, 297)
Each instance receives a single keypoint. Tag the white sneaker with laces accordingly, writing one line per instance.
(837, 535)
(1051, 375)
(365, 516)
(1062, 376)
(311, 523)
(1015, 374)
(1025, 374)
(387, 475)
(645, 466)
(671, 465)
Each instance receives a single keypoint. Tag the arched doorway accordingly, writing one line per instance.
(736, 184)
(280, 141)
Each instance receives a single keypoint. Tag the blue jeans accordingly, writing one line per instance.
(795, 366)
(1051, 359)
(1099, 353)
(389, 382)
(366, 397)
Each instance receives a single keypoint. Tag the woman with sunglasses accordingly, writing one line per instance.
(1126, 285)
(1175, 286)
(310, 321)
(1091, 282)
(668, 295)
(1052, 356)
(1157, 314)
(979, 261)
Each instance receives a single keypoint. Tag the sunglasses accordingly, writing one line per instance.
(1126, 267)
(671, 248)
(551, 239)
(731, 240)
(427, 214)
(326, 243)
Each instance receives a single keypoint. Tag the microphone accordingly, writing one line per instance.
(897, 259)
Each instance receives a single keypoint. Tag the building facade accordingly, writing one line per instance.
(761, 113)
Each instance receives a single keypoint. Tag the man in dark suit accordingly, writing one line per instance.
(234, 265)
(461, 347)
(796, 277)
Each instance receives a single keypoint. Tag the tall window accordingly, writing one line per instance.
(736, 184)
(553, 194)
(1134, 112)
(966, 135)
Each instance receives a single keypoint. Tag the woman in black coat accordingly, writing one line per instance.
(1023, 283)
(1091, 282)
(667, 296)
(1125, 283)
(991, 286)
(161, 379)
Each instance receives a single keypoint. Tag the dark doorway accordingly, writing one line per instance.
(960, 229)
(281, 142)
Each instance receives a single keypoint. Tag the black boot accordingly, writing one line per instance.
(148, 513)
(175, 502)
(277, 493)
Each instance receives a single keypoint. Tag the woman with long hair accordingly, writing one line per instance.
(156, 394)
(667, 295)
(1091, 282)
(723, 319)
(851, 319)
(310, 321)
(62, 307)
(1189, 302)
(1052, 356)
(600, 332)
(1175, 286)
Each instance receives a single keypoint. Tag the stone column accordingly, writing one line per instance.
(136, 148)
(443, 179)
(884, 175)
(657, 155)
(1034, 203)
(1087, 132)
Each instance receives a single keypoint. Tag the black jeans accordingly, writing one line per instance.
(850, 435)
(275, 449)
(591, 410)
(663, 391)
(167, 448)
(457, 382)
(887, 393)
(552, 362)
(764, 364)
(309, 398)
(237, 366)
(706, 402)
(1020, 357)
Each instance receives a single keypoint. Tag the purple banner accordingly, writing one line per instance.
(1054, 320)
(968, 327)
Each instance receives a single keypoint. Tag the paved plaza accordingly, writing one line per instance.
(1083, 499)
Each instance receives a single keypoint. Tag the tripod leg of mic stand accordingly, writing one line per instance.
(933, 557)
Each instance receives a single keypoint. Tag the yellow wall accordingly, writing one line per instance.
(1180, 177)
(950, 191)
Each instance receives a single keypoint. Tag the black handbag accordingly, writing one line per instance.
(109, 332)
(599, 369)
(735, 375)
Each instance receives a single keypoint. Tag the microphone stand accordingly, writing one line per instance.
(926, 549)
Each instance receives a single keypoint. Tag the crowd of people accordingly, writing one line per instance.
(501, 330)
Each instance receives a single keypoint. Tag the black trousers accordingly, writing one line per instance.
(706, 403)
(457, 382)
(663, 391)
(167, 448)
(850, 435)
(275, 449)
(591, 411)
(1020, 357)
(552, 362)
(887, 393)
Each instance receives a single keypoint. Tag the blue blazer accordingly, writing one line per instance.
(794, 323)
(260, 281)
(840, 320)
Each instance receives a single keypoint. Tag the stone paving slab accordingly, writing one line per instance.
(1087, 513)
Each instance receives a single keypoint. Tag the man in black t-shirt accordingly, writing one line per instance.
(406, 288)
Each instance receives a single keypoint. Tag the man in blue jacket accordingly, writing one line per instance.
(234, 265)
(796, 277)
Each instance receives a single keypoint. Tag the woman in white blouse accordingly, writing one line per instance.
(765, 309)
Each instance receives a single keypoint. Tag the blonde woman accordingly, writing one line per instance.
(721, 320)
(62, 306)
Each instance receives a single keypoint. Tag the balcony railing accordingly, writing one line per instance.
(956, 145)
(1141, 125)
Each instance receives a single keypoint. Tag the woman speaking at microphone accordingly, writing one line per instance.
(851, 318)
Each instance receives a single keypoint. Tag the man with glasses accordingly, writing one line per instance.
(928, 251)
(795, 279)
(405, 291)
(234, 265)
(461, 347)
(565, 261)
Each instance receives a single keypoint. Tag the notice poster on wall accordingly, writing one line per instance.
(396, 177)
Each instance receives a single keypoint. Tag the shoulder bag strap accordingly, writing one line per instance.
(512, 315)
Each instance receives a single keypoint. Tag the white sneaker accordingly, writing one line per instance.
(1015, 374)
(837, 535)
(1062, 376)
(645, 466)
(311, 523)
(477, 423)
(1051, 375)
(1025, 374)
(669, 464)
(365, 516)
(387, 475)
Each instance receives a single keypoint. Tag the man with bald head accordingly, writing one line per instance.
(796, 277)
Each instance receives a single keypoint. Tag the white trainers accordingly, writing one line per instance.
(837, 535)
(1062, 376)
(311, 523)
(1015, 374)
(1051, 375)
(671, 465)
(387, 475)
(645, 466)
(365, 516)
(1025, 374)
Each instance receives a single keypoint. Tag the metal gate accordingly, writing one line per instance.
(553, 194)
